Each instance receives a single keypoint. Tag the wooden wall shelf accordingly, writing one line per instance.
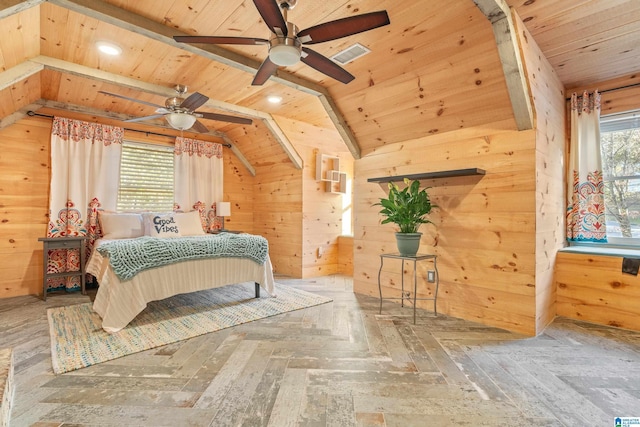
(328, 171)
(431, 175)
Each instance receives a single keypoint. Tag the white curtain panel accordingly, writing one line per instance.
(198, 178)
(585, 205)
(85, 171)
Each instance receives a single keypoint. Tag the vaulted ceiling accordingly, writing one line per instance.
(418, 79)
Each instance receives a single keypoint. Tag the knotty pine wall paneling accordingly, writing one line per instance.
(345, 255)
(484, 232)
(238, 190)
(549, 111)
(277, 197)
(24, 205)
(593, 287)
(495, 236)
(277, 212)
(24, 197)
(322, 211)
(322, 215)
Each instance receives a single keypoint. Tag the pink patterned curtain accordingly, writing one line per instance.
(585, 204)
(85, 172)
(198, 172)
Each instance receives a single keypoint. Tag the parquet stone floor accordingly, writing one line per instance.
(337, 364)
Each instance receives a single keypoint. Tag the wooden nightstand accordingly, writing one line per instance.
(77, 242)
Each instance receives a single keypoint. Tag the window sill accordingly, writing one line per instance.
(590, 250)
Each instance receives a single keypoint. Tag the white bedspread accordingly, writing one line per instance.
(118, 302)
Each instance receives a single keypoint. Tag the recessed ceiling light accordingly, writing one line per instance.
(109, 48)
(274, 99)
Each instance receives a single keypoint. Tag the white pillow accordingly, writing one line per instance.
(163, 226)
(189, 223)
(121, 225)
(147, 219)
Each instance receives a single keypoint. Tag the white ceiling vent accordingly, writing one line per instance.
(349, 54)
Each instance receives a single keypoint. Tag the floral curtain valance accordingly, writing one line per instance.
(585, 193)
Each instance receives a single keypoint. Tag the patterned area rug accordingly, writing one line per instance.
(78, 340)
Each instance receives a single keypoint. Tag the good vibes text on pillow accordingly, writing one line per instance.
(165, 224)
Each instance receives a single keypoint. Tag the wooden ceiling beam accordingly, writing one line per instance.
(130, 83)
(11, 7)
(498, 13)
(18, 73)
(121, 117)
(29, 68)
(121, 18)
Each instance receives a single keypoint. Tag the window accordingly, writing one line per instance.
(620, 148)
(146, 178)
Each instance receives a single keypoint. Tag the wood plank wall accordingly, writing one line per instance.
(24, 205)
(484, 232)
(270, 204)
(277, 213)
(24, 199)
(238, 190)
(591, 287)
(322, 211)
(277, 200)
(496, 237)
(549, 108)
(345, 255)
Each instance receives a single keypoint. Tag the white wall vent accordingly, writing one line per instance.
(349, 54)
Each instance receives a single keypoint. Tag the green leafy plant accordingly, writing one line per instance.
(407, 208)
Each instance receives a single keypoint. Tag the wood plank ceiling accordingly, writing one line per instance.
(422, 71)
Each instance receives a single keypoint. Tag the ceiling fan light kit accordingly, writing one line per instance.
(181, 121)
(287, 44)
(284, 51)
(181, 113)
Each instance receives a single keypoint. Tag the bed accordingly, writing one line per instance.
(121, 296)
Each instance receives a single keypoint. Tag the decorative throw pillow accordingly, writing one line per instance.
(189, 223)
(163, 226)
(121, 225)
(147, 220)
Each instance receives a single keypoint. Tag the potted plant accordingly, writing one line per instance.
(408, 209)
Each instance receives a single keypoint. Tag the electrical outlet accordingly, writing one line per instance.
(431, 276)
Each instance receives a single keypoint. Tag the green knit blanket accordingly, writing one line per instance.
(128, 257)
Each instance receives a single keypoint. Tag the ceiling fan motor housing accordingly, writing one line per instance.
(173, 103)
(285, 50)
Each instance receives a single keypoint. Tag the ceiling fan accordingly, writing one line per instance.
(180, 112)
(287, 44)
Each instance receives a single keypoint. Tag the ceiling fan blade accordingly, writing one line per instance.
(271, 15)
(220, 40)
(224, 118)
(199, 127)
(345, 27)
(140, 119)
(194, 101)
(326, 66)
(265, 71)
(131, 99)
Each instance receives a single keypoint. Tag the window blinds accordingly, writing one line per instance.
(146, 178)
(618, 122)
